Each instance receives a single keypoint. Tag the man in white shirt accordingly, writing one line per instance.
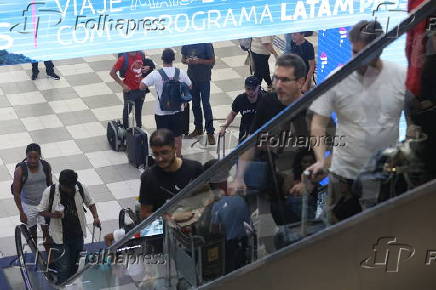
(368, 104)
(63, 204)
(172, 120)
(261, 49)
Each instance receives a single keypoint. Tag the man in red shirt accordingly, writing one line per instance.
(136, 69)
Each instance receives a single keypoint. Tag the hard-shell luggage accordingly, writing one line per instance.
(116, 135)
(137, 144)
(185, 126)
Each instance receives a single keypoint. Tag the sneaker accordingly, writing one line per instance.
(34, 75)
(53, 76)
(196, 133)
(211, 139)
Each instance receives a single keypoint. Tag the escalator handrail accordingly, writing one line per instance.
(416, 16)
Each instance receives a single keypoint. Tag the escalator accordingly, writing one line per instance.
(329, 255)
(388, 247)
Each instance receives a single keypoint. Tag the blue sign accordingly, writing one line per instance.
(59, 29)
(334, 50)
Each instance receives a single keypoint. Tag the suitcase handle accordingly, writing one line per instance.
(93, 234)
(131, 108)
(305, 200)
(218, 151)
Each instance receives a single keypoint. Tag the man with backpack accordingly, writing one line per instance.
(132, 66)
(31, 178)
(171, 85)
(61, 203)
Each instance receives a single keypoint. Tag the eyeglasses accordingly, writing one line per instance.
(282, 79)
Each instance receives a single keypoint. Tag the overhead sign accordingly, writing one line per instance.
(334, 50)
(59, 29)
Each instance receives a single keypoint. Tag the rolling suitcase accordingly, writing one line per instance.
(137, 144)
(116, 135)
(185, 126)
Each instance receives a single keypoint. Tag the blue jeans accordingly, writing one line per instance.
(288, 211)
(137, 96)
(294, 205)
(49, 67)
(66, 257)
(201, 93)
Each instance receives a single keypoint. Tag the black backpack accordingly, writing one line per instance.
(45, 167)
(171, 98)
(52, 192)
(125, 66)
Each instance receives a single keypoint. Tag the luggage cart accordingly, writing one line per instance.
(197, 258)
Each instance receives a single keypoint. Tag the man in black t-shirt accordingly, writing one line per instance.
(200, 59)
(297, 44)
(245, 104)
(167, 176)
(288, 79)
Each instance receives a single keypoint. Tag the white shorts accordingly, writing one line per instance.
(32, 213)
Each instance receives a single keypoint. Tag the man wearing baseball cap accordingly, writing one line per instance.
(245, 104)
(63, 204)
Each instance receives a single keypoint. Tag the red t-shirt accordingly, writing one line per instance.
(133, 72)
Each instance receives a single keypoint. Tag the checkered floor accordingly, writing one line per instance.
(68, 118)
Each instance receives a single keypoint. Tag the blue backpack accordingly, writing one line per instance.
(174, 92)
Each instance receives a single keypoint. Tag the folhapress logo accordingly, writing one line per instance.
(388, 254)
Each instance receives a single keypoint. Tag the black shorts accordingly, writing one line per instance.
(171, 122)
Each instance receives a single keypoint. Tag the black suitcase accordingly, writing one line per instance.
(137, 143)
(116, 135)
(185, 126)
(137, 146)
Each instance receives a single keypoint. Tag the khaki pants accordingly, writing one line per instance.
(339, 188)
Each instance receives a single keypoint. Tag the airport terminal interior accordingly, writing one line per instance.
(283, 209)
(68, 118)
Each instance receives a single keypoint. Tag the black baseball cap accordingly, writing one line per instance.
(252, 82)
(68, 178)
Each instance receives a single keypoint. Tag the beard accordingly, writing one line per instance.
(167, 164)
